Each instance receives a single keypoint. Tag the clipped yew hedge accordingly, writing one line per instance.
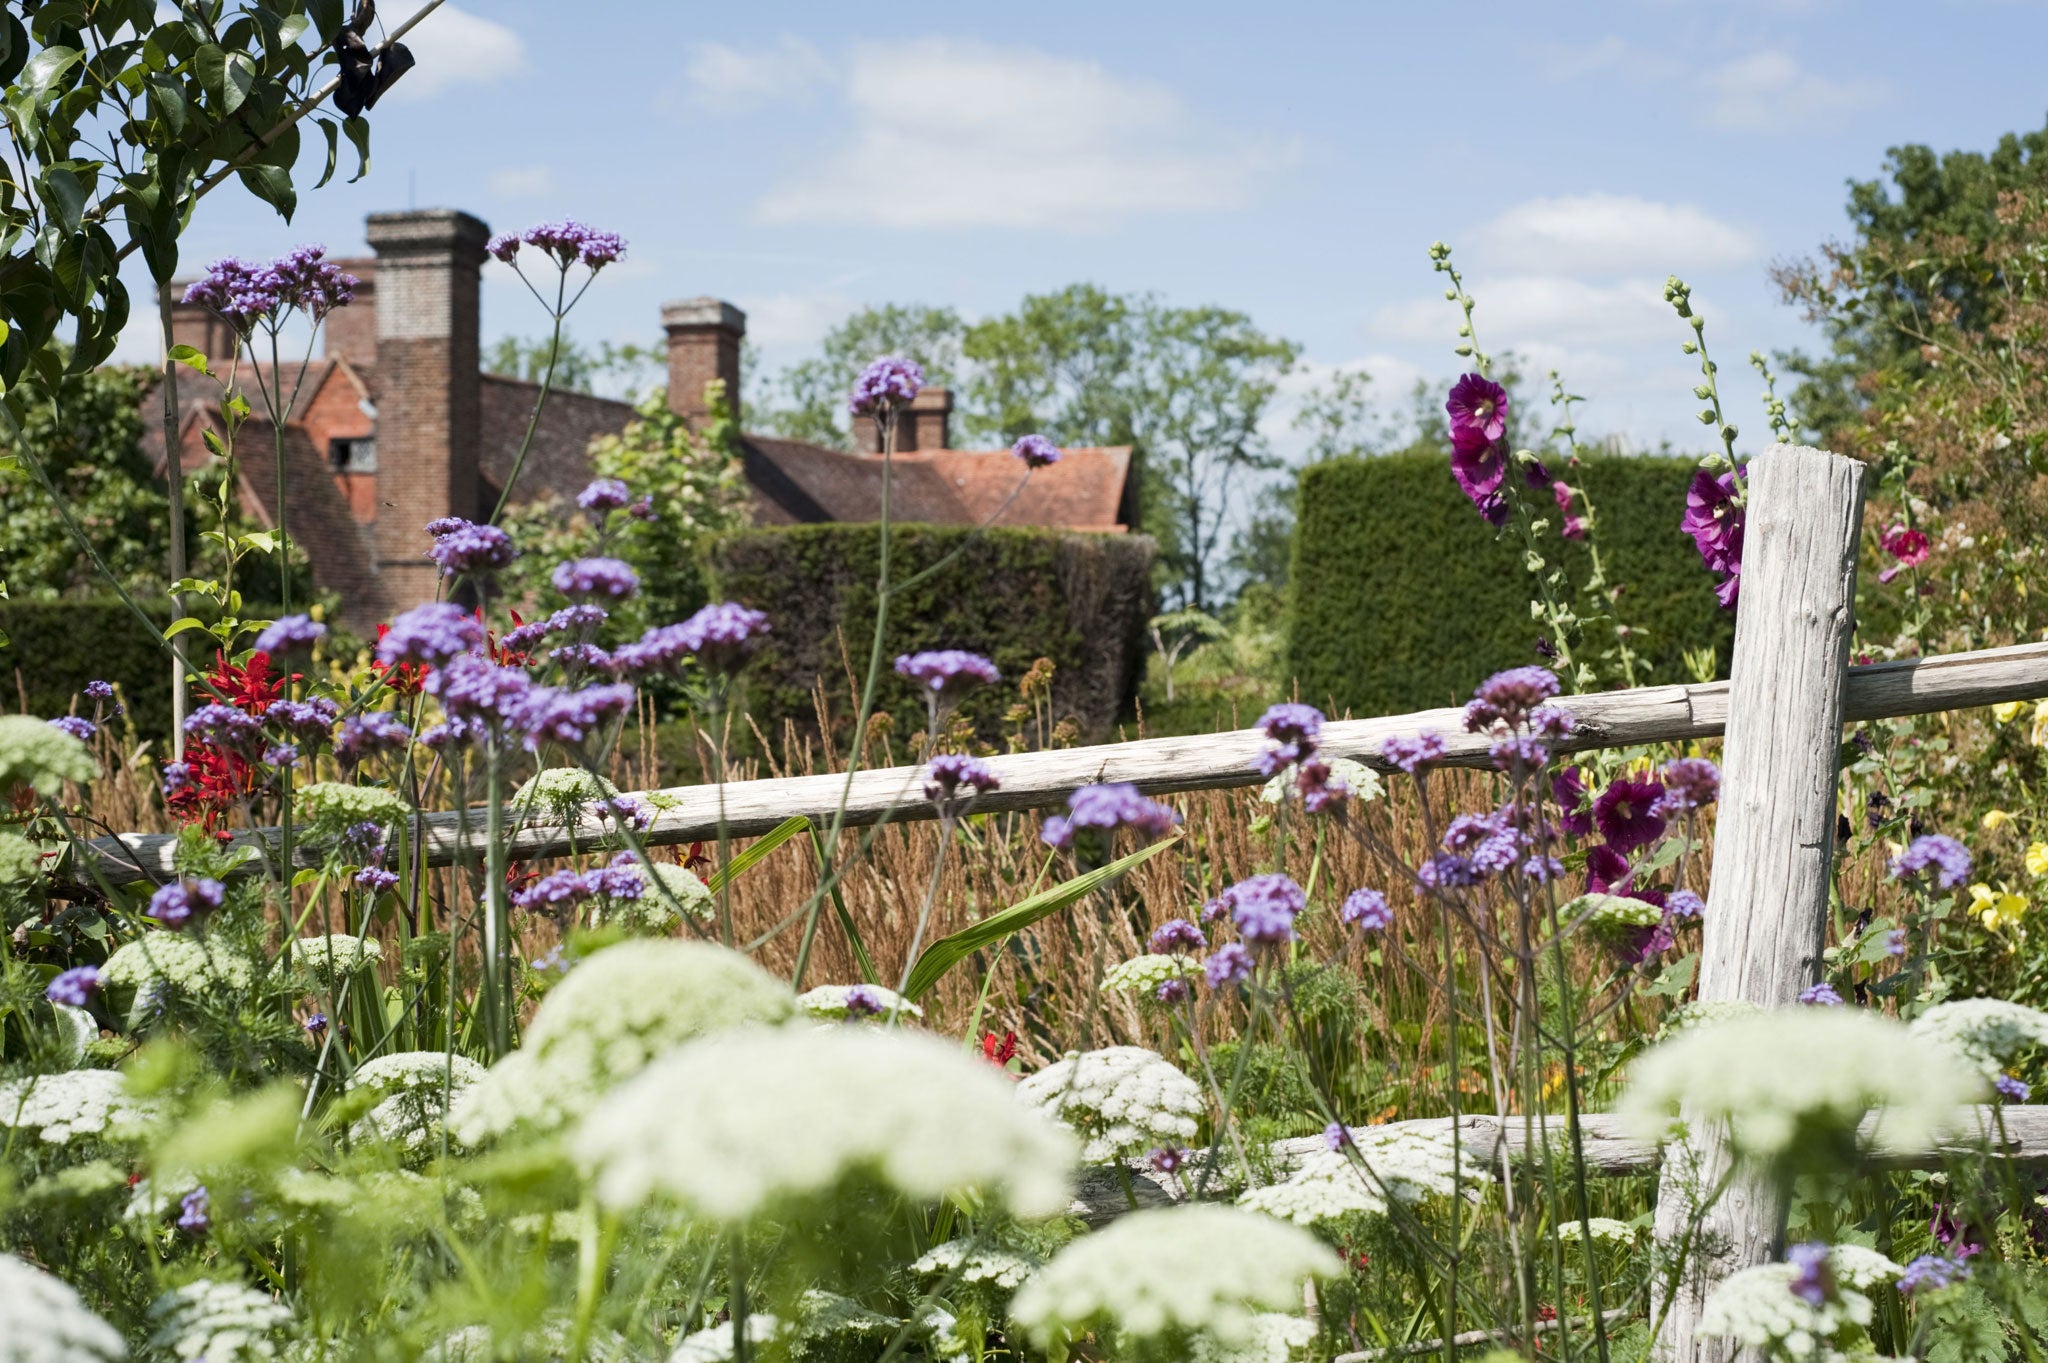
(1403, 598)
(1014, 595)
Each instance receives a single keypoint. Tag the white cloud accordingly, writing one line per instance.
(727, 79)
(1770, 92)
(1612, 234)
(955, 133)
(455, 48)
(1518, 311)
(522, 182)
(794, 319)
(1611, 53)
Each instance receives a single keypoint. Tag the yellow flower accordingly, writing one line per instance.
(1994, 820)
(2040, 735)
(2037, 859)
(2007, 710)
(1998, 908)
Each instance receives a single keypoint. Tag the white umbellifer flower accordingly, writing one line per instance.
(1860, 1267)
(335, 953)
(330, 807)
(418, 1086)
(1123, 1100)
(834, 1003)
(1274, 1339)
(1783, 1076)
(547, 1342)
(72, 1103)
(43, 1321)
(1392, 1163)
(1986, 1033)
(1603, 1228)
(601, 1025)
(1705, 1013)
(561, 791)
(160, 963)
(1173, 1272)
(714, 1345)
(221, 1322)
(730, 1124)
(1144, 974)
(976, 1264)
(653, 910)
(1362, 781)
(1757, 1307)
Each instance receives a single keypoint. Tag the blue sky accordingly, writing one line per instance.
(1290, 160)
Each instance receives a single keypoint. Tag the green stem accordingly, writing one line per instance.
(540, 400)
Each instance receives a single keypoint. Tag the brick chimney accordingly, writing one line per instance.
(704, 337)
(924, 425)
(352, 331)
(200, 328)
(429, 408)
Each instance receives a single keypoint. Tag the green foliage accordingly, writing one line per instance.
(1414, 600)
(628, 368)
(807, 401)
(1014, 595)
(54, 648)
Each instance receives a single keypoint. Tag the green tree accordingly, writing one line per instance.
(1059, 366)
(1341, 418)
(626, 370)
(807, 400)
(1877, 304)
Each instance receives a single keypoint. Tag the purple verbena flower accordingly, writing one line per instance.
(1412, 754)
(2012, 1090)
(447, 525)
(1167, 1159)
(1947, 859)
(862, 1001)
(305, 280)
(223, 726)
(610, 578)
(1689, 783)
(240, 293)
(435, 634)
(1291, 729)
(308, 722)
(947, 671)
(374, 731)
(78, 726)
(885, 385)
(567, 242)
(99, 690)
(549, 715)
(376, 879)
(1627, 813)
(1685, 906)
(194, 1210)
(1227, 965)
(1036, 451)
(1509, 697)
(1108, 807)
(292, 634)
(176, 904)
(604, 494)
(1337, 1136)
(472, 689)
(1314, 784)
(1820, 995)
(1264, 908)
(1367, 910)
(945, 773)
(1447, 871)
(472, 550)
(1177, 935)
(1813, 1282)
(281, 755)
(1931, 1273)
(75, 986)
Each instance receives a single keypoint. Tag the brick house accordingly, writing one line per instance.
(396, 424)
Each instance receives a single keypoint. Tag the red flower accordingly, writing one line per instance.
(1909, 547)
(216, 782)
(999, 1052)
(251, 687)
(406, 679)
(697, 861)
(502, 656)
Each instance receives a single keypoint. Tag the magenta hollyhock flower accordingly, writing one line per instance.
(1909, 547)
(1627, 812)
(1729, 588)
(1714, 519)
(1479, 412)
(1607, 871)
(1568, 788)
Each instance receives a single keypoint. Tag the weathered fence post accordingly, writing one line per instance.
(1767, 901)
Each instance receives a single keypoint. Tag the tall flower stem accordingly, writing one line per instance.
(174, 476)
(547, 383)
(497, 917)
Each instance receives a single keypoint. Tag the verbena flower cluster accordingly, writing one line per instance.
(1106, 808)
(247, 295)
(566, 243)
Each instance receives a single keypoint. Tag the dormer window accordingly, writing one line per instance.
(354, 454)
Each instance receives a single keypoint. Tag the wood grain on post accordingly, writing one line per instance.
(1774, 835)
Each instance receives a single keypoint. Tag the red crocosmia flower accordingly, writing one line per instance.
(407, 679)
(218, 781)
(698, 860)
(999, 1052)
(251, 687)
(499, 654)
(1626, 813)
(517, 877)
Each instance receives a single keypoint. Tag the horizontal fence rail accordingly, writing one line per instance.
(1610, 1152)
(1038, 780)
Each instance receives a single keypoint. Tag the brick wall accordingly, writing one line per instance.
(704, 336)
(428, 409)
(352, 331)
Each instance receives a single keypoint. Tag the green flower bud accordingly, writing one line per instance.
(1464, 331)
(1690, 348)
(1702, 392)
(1461, 350)
(1707, 417)
(1728, 433)
(1698, 323)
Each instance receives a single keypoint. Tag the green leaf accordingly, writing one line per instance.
(238, 77)
(273, 186)
(761, 847)
(191, 359)
(66, 196)
(357, 130)
(1677, 977)
(48, 67)
(333, 133)
(942, 955)
(178, 627)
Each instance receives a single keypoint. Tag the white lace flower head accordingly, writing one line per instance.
(1173, 1273)
(605, 1021)
(562, 793)
(42, 1320)
(221, 1322)
(1362, 781)
(730, 1124)
(161, 965)
(1123, 1100)
(675, 893)
(1705, 1013)
(1795, 1077)
(714, 1344)
(1389, 1164)
(990, 1264)
(417, 1086)
(70, 1104)
(1274, 1338)
(1144, 974)
(1985, 1033)
(334, 954)
(1757, 1307)
(1604, 1228)
(850, 1002)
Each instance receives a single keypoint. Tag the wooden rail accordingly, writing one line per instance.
(1611, 719)
(1611, 1152)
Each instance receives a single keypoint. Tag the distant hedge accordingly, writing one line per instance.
(1403, 598)
(55, 647)
(1014, 595)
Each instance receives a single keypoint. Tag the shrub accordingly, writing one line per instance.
(1403, 595)
(1014, 595)
(55, 647)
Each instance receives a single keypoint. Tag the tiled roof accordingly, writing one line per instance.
(338, 548)
(558, 463)
(796, 482)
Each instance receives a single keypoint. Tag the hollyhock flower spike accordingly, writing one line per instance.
(885, 385)
(1036, 451)
(1478, 409)
(1908, 547)
(1714, 520)
(1627, 813)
